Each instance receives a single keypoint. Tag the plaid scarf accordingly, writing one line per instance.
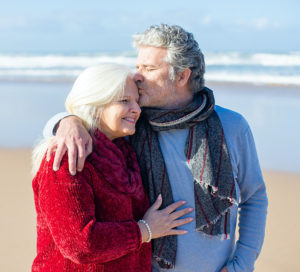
(208, 159)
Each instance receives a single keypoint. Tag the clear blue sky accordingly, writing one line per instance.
(107, 26)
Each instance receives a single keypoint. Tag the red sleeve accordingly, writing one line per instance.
(67, 203)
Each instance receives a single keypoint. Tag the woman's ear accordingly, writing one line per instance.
(182, 78)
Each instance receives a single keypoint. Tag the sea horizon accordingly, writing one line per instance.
(264, 68)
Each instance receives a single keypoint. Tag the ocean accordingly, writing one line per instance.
(258, 68)
(264, 87)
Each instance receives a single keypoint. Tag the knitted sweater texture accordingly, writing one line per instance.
(88, 222)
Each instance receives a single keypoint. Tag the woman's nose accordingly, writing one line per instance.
(136, 108)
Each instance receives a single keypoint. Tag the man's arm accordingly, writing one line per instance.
(70, 136)
(52, 124)
(252, 208)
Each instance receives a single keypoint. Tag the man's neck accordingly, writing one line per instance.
(180, 101)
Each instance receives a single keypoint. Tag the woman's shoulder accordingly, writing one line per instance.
(62, 175)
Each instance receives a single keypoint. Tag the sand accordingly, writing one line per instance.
(280, 252)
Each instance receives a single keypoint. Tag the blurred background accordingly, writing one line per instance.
(252, 54)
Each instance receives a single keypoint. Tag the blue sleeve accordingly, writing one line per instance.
(48, 130)
(252, 207)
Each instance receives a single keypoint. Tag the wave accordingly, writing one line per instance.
(260, 79)
(231, 58)
(258, 68)
(54, 61)
(255, 59)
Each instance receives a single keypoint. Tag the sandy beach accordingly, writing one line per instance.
(280, 251)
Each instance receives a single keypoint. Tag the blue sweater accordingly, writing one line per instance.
(195, 251)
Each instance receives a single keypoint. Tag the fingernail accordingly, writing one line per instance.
(183, 202)
(55, 168)
(190, 209)
(185, 231)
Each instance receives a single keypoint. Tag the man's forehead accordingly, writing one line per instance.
(148, 55)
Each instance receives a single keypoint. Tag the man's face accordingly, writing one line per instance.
(152, 78)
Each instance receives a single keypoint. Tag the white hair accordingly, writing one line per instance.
(94, 88)
(182, 51)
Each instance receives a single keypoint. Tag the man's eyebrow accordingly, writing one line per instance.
(147, 65)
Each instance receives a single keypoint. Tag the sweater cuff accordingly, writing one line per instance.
(131, 235)
(139, 235)
(243, 259)
(51, 126)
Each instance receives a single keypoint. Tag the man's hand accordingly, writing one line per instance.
(224, 269)
(72, 137)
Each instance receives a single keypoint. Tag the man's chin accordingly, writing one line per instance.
(143, 103)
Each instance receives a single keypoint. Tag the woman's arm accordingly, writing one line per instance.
(67, 203)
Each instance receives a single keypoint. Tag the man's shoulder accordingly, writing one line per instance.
(227, 113)
(231, 119)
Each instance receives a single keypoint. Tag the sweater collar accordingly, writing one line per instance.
(116, 162)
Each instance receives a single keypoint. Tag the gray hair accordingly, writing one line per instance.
(182, 51)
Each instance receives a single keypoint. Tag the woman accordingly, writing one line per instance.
(99, 220)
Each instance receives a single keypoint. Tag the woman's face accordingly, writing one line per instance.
(118, 118)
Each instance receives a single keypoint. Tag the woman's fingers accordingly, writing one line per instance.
(172, 207)
(163, 222)
(175, 215)
(176, 232)
(181, 222)
(157, 203)
(177, 223)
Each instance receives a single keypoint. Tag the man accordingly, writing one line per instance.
(189, 149)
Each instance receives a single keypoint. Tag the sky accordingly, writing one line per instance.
(107, 26)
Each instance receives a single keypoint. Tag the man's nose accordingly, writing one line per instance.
(138, 77)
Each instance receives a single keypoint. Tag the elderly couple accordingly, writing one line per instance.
(167, 197)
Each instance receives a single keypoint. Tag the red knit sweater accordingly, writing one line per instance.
(88, 222)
